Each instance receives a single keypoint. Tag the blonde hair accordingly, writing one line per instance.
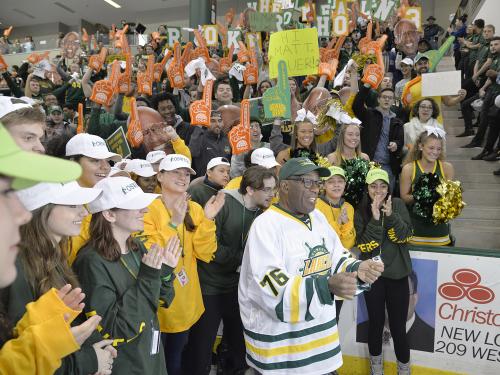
(416, 153)
(340, 143)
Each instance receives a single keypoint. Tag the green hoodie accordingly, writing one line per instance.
(126, 294)
(387, 236)
(233, 222)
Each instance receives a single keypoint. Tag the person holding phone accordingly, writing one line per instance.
(383, 229)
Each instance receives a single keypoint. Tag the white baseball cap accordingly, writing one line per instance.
(115, 172)
(91, 146)
(217, 161)
(122, 163)
(155, 156)
(407, 61)
(140, 167)
(120, 192)
(67, 194)
(264, 157)
(10, 104)
(175, 161)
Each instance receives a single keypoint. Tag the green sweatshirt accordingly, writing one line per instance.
(70, 92)
(389, 237)
(103, 124)
(202, 192)
(20, 293)
(127, 294)
(233, 222)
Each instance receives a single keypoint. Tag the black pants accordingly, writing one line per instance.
(393, 294)
(484, 120)
(494, 130)
(457, 55)
(468, 111)
(198, 354)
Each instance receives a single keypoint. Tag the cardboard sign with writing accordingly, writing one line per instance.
(233, 36)
(384, 9)
(271, 21)
(276, 99)
(298, 48)
(414, 14)
(211, 35)
(117, 143)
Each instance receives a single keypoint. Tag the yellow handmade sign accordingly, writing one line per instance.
(298, 48)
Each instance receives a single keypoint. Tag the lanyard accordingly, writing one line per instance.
(127, 267)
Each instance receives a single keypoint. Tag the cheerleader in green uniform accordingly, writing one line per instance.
(427, 156)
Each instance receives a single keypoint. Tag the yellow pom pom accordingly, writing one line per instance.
(450, 205)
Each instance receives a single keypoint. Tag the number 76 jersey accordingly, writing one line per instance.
(286, 307)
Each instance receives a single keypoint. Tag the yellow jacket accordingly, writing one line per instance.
(346, 232)
(75, 243)
(234, 183)
(43, 338)
(180, 148)
(201, 244)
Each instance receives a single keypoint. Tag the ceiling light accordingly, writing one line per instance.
(113, 4)
(64, 7)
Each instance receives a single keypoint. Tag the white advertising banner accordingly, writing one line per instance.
(453, 321)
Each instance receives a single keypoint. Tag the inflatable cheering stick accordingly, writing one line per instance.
(175, 70)
(239, 136)
(134, 130)
(251, 73)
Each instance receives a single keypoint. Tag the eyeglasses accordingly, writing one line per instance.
(157, 128)
(387, 97)
(308, 183)
(269, 190)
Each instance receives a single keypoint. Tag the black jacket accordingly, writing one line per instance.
(205, 145)
(372, 122)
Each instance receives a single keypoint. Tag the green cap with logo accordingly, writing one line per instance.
(335, 171)
(30, 168)
(376, 174)
(299, 167)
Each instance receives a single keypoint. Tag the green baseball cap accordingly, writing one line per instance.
(420, 56)
(335, 171)
(29, 168)
(300, 166)
(376, 174)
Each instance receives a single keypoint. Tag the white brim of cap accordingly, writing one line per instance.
(191, 170)
(77, 196)
(270, 164)
(145, 173)
(104, 155)
(138, 202)
(118, 172)
(156, 159)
